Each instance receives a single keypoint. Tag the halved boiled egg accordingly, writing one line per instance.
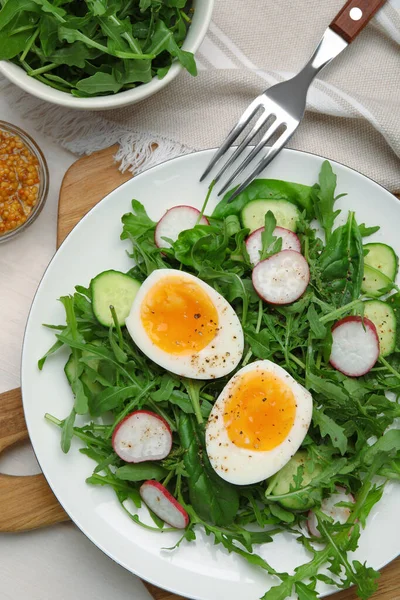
(185, 326)
(257, 423)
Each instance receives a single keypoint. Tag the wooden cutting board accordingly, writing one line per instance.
(86, 182)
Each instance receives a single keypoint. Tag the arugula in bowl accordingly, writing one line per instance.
(95, 47)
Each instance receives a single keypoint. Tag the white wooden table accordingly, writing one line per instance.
(44, 564)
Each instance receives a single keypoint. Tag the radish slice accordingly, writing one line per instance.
(355, 346)
(290, 241)
(142, 435)
(163, 504)
(174, 221)
(339, 514)
(282, 278)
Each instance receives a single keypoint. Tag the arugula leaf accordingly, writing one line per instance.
(137, 222)
(163, 39)
(212, 498)
(318, 329)
(270, 243)
(99, 83)
(367, 231)
(323, 198)
(330, 390)
(328, 426)
(341, 263)
(141, 472)
(305, 591)
(9, 48)
(259, 342)
(12, 9)
(374, 495)
(111, 398)
(386, 445)
(67, 431)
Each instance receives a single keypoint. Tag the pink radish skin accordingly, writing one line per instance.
(290, 241)
(163, 504)
(175, 220)
(141, 436)
(339, 514)
(282, 278)
(355, 346)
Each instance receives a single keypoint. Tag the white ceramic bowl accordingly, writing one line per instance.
(196, 33)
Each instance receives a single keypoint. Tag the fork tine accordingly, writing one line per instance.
(235, 132)
(267, 135)
(261, 121)
(264, 162)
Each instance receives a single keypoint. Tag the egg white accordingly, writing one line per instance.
(242, 466)
(217, 359)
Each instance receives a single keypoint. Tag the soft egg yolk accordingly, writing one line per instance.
(179, 316)
(260, 411)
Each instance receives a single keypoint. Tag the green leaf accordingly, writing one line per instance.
(279, 592)
(259, 342)
(367, 231)
(324, 198)
(99, 83)
(270, 243)
(266, 189)
(281, 513)
(67, 431)
(81, 400)
(328, 389)
(47, 7)
(211, 497)
(11, 9)
(163, 39)
(133, 71)
(98, 7)
(374, 495)
(305, 591)
(54, 348)
(328, 427)
(137, 222)
(13, 45)
(141, 472)
(112, 398)
(48, 34)
(144, 5)
(318, 329)
(366, 580)
(341, 263)
(74, 55)
(386, 445)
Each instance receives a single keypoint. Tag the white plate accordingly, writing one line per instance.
(199, 569)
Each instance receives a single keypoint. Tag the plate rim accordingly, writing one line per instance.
(151, 580)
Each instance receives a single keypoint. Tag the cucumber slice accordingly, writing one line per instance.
(373, 281)
(71, 371)
(383, 258)
(282, 481)
(383, 317)
(285, 213)
(112, 288)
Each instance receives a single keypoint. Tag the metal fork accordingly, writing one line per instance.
(285, 103)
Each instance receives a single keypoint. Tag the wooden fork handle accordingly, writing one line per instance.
(25, 502)
(354, 16)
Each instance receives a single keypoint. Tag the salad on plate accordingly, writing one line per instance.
(243, 377)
